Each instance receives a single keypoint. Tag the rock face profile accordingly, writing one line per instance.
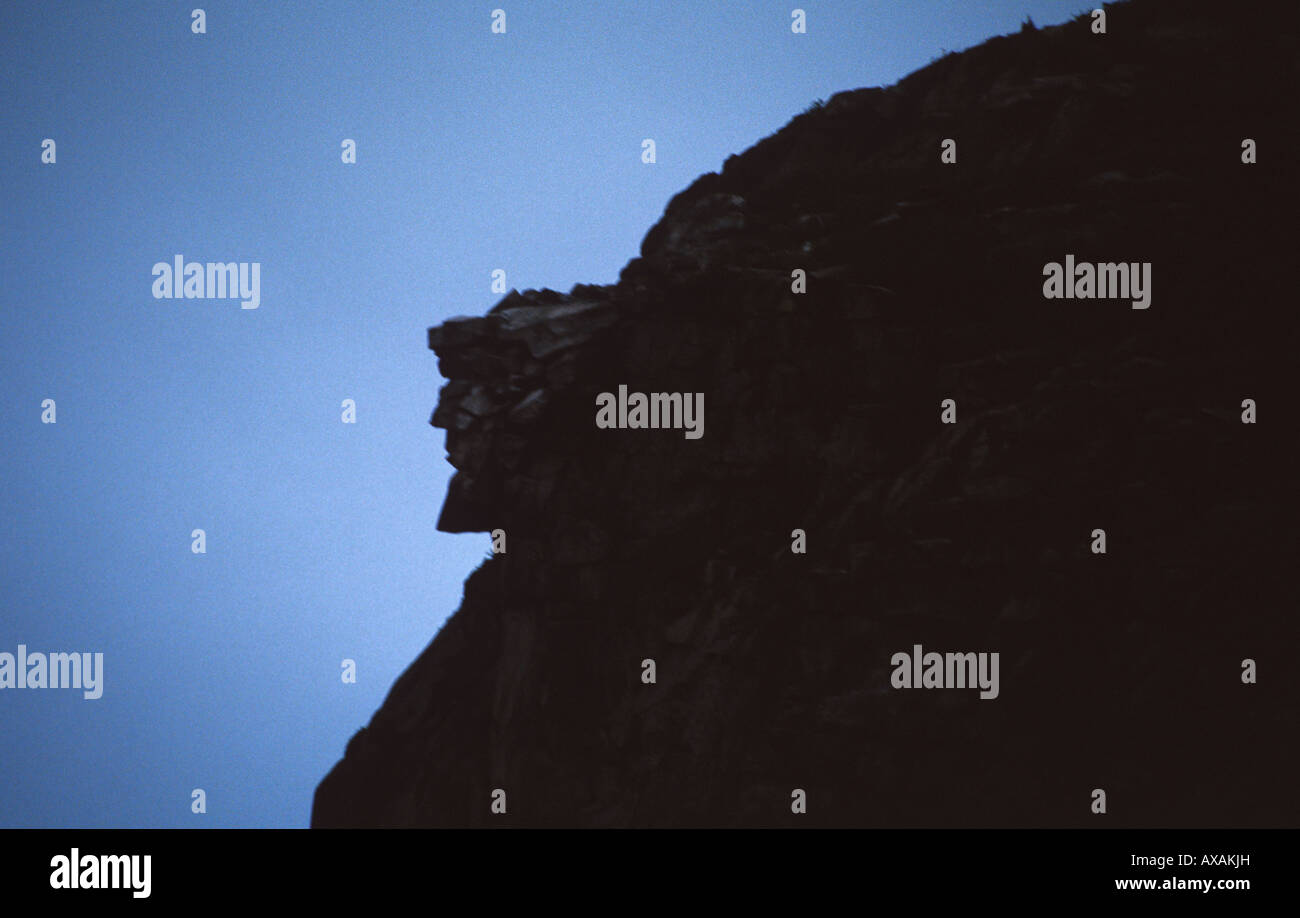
(914, 441)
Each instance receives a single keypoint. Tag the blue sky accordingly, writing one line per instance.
(475, 151)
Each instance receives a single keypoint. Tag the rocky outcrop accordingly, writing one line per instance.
(1119, 671)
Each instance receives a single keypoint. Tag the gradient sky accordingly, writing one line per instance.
(474, 151)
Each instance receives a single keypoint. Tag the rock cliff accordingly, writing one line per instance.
(823, 412)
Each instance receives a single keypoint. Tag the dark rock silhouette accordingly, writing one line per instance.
(1118, 671)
